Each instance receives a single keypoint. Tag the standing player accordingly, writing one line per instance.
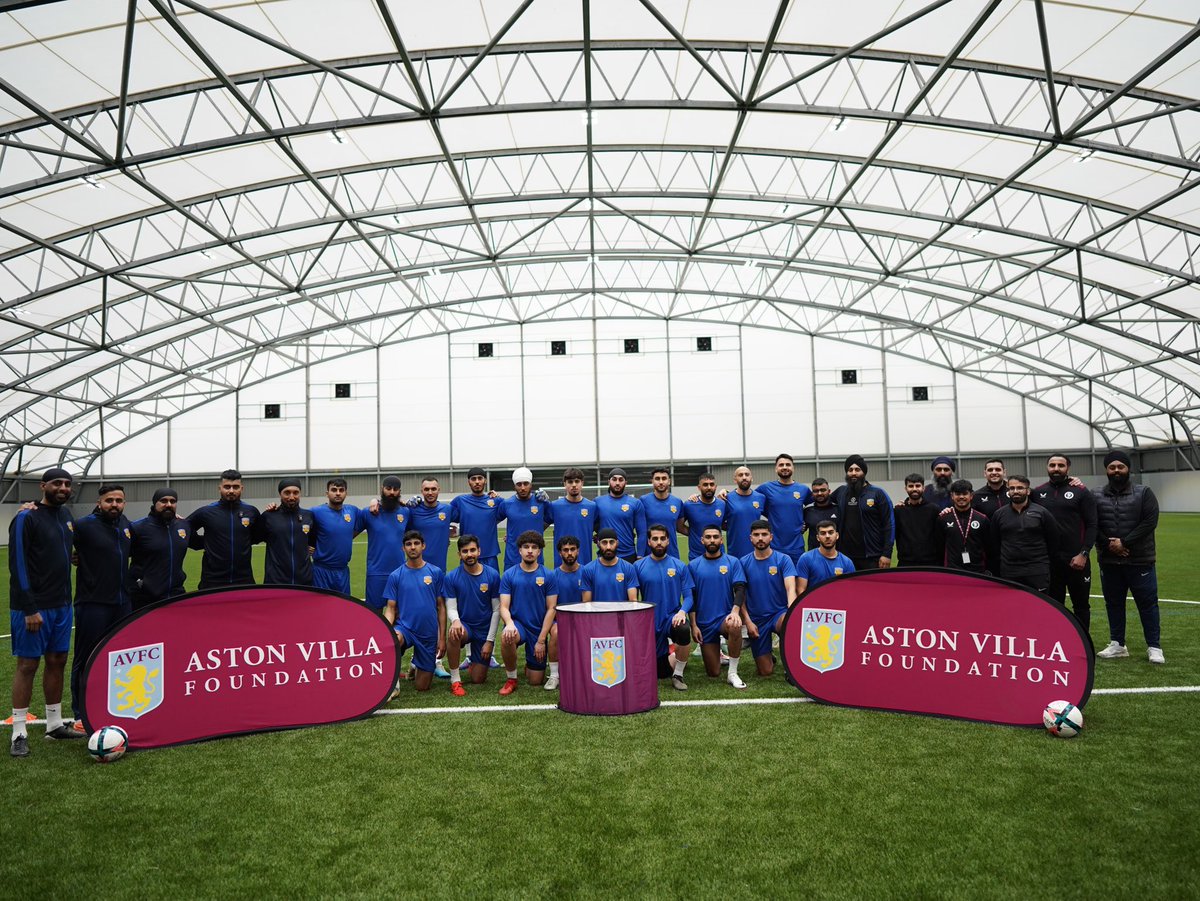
(478, 514)
(160, 543)
(572, 515)
(287, 531)
(102, 541)
(385, 530)
(865, 518)
(336, 525)
(770, 591)
(569, 572)
(416, 606)
(1074, 508)
(918, 529)
(937, 492)
(525, 512)
(824, 563)
(39, 597)
(785, 507)
(661, 506)
(608, 578)
(224, 530)
(707, 510)
(821, 508)
(720, 589)
(623, 513)
(994, 493)
(1028, 535)
(667, 584)
(968, 536)
(744, 506)
(472, 592)
(528, 595)
(431, 518)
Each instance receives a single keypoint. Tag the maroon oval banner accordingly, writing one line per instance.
(228, 662)
(937, 642)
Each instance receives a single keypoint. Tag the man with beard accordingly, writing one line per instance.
(335, 525)
(770, 591)
(865, 520)
(431, 518)
(528, 597)
(39, 600)
(573, 516)
(918, 531)
(287, 531)
(785, 508)
(1028, 535)
(825, 562)
(160, 543)
(994, 493)
(102, 541)
(478, 514)
(968, 535)
(472, 592)
(569, 572)
(1074, 507)
(224, 530)
(1127, 516)
(416, 607)
(666, 584)
(385, 539)
(744, 506)
(608, 578)
(524, 512)
(821, 508)
(720, 591)
(623, 513)
(662, 507)
(937, 492)
(706, 510)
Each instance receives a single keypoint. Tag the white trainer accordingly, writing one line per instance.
(1113, 651)
(736, 681)
(1155, 655)
(551, 683)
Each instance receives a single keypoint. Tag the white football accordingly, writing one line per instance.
(107, 744)
(1063, 719)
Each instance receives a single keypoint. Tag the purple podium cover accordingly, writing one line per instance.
(606, 660)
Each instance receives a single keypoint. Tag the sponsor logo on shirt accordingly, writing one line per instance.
(1066, 494)
(824, 639)
(975, 524)
(135, 680)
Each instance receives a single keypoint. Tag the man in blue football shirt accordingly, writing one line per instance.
(720, 590)
(785, 507)
(528, 595)
(431, 518)
(824, 563)
(416, 607)
(336, 525)
(770, 591)
(667, 585)
(661, 506)
(525, 511)
(569, 572)
(573, 515)
(473, 609)
(479, 514)
(608, 578)
(743, 507)
(623, 513)
(385, 528)
(706, 510)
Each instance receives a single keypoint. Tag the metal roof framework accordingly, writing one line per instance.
(197, 197)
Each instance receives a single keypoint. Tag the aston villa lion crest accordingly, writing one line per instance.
(608, 661)
(135, 680)
(824, 639)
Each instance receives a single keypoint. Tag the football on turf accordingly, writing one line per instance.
(107, 744)
(1063, 719)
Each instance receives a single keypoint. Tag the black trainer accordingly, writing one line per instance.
(20, 747)
(65, 731)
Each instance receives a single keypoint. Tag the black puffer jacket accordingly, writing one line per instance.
(1130, 514)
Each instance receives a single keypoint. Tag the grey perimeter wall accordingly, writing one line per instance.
(1178, 492)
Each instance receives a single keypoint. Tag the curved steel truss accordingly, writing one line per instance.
(261, 204)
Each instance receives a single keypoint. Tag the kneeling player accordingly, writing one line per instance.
(720, 599)
(528, 594)
(473, 609)
(416, 606)
(667, 584)
(770, 591)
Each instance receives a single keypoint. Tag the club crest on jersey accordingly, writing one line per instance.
(71, 526)
(796, 495)
(127, 535)
(620, 577)
(483, 586)
(674, 509)
(441, 516)
(533, 509)
(608, 661)
(246, 522)
(754, 504)
(539, 581)
(491, 502)
(717, 513)
(304, 528)
(773, 570)
(346, 516)
(824, 639)
(182, 533)
(723, 569)
(583, 512)
(428, 580)
(399, 517)
(1067, 494)
(135, 680)
(837, 570)
(624, 508)
(671, 571)
(870, 502)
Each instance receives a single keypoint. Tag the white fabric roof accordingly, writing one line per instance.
(197, 196)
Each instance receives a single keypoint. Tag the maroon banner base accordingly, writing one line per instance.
(937, 642)
(606, 660)
(228, 662)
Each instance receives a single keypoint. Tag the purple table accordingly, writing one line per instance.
(606, 660)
